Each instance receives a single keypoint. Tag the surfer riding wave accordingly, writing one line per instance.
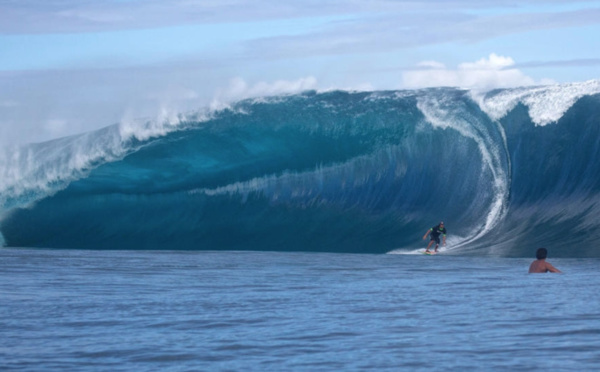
(435, 233)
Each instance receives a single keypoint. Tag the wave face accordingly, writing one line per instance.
(365, 172)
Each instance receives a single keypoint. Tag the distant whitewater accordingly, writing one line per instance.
(369, 172)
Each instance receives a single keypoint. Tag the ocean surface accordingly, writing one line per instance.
(355, 172)
(133, 310)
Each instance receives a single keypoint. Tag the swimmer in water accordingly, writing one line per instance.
(540, 265)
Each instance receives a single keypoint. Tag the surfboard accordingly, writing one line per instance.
(431, 253)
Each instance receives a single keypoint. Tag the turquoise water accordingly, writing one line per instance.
(218, 311)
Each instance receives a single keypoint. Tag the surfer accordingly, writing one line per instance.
(435, 236)
(540, 265)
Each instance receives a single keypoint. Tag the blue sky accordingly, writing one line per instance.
(70, 66)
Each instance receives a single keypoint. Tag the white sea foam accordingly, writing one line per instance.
(546, 104)
(166, 121)
(453, 242)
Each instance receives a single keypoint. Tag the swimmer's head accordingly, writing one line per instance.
(541, 253)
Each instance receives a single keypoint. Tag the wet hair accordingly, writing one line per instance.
(541, 253)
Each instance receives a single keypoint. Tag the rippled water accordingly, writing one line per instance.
(191, 311)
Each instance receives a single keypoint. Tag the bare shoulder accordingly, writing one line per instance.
(541, 266)
(535, 267)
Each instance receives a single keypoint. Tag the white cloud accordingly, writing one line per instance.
(431, 64)
(173, 93)
(485, 74)
(9, 103)
(239, 89)
(494, 62)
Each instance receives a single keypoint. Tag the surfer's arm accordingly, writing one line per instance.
(427, 233)
(551, 268)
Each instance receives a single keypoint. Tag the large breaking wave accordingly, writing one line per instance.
(369, 172)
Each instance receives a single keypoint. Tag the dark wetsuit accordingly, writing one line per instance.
(435, 233)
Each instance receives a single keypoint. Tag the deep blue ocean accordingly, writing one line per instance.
(131, 310)
(284, 233)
